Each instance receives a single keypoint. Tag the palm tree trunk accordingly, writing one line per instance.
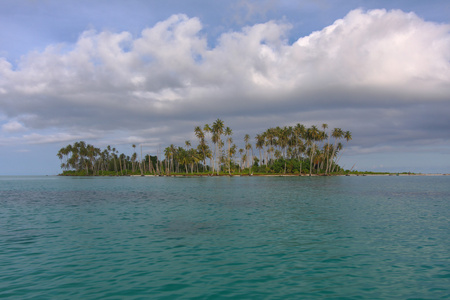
(311, 159)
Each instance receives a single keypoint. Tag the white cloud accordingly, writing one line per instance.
(370, 69)
(13, 126)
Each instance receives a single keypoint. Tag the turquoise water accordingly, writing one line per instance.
(219, 238)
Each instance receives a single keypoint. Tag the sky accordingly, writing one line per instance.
(147, 72)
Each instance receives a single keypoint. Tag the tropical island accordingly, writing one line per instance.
(288, 150)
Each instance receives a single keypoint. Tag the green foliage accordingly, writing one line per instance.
(74, 173)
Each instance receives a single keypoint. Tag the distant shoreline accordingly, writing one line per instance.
(400, 174)
(283, 175)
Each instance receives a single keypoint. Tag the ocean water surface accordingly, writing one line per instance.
(225, 238)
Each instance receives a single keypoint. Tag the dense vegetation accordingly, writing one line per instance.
(279, 150)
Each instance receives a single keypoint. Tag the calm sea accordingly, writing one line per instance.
(222, 238)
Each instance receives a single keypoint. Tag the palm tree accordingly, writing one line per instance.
(209, 155)
(202, 146)
(232, 153)
(199, 133)
(133, 162)
(228, 132)
(298, 133)
(120, 162)
(194, 158)
(283, 140)
(63, 156)
(187, 143)
(336, 134)
(133, 158)
(270, 153)
(218, 130)
(259, 144)
(123, 159)
(244, 159)
(312, 135)
(209, 130)
(168, 155)
(173, 152)
(278, 154)
(114, 158)
(183, 158)
(270, 142)
(326, 148)
(248, 147)
(241, 152)
(321, 137)
(347, 137)
(338, 148)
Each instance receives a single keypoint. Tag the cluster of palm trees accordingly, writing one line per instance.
(288, 149)
(85, 159)
(316, 150)
(195, 158)
(304, 145)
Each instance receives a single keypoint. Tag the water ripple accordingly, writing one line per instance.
(214, 238)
